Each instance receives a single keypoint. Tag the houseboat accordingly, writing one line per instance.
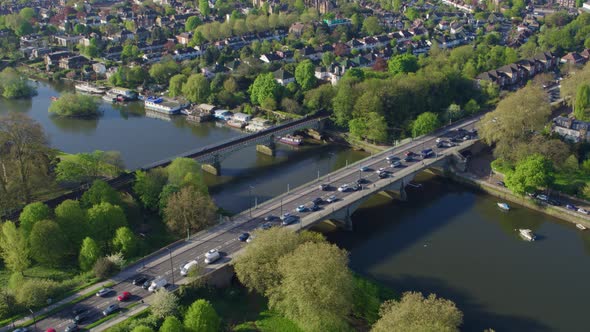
(196, 114)
(258, 124)
(291, 140)
(242, 117)
(223, 115)
(527, 234)
(89, 88)
(581, 227)
(165, 106)
(122, 94)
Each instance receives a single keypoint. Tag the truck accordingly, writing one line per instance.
(157, 284)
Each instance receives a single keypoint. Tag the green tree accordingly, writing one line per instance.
(74, 105)
(176, 83)
(86, 166)
(425, 123)
(204, 7)
(14, 248)
(15, 86)
(202, 317)
(414, 312)
(100, 192)
(319, 98)
(148, 186)
(162, 71)
(471, 107)
(324, 301)
(31, 214)
(189, 210)
(142, 328)
(531, 173)
(196, 89)
(73, 222)
(130, 52)
(103, 268)
(47, 243)
(27, 13)
(171, 324)
(377, 127)
(192, 23)
(343, 104)
(371, 26)
(582, 106)
(305, 75)
(328, 58)
(256, 267)
(403, 63)
(180, 167)
(103, 220)
(264, 87)
(89, 254)
(125, 241)
(164, 304)
(358, 127)
(514, 120)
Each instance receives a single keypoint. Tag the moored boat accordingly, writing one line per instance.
(503, 206)
(291, 140)
(236, 123)
(109, 98)
(581, 227)
(89, 88)
(527, 234)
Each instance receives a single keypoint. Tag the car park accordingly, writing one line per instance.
(104, 292)
(139, 280)
(72, 327)
(243, 237)
(331, 199)
(302, 208)
(212, 256)
(124, 296)
(110, 309)
(289, 220)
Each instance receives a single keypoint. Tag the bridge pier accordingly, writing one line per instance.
(214, 168)
(267, 149)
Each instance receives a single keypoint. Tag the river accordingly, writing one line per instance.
(446, 239)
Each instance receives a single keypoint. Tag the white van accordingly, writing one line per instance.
(157, 284)
(186, 268)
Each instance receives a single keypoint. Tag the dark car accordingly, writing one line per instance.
(110, 309)
(383, 175)
(147, 284)
(314, 207)
(244, 237)
(571, 207)
(317, 201)
(410, 154)
(265, 226)
(139, 280)
(78, 310)
(553, 202)
(361, 181)
(82, 316)
(408, 159)
(426, 153)
(72, 327)
(270, 217)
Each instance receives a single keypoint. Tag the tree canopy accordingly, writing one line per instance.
(403, 63)
(305, 75)
(264, 87)
(31, 214)
(424, 124)
(196, 88)
(13, 86)
(89, 254)
(14, 248)
(100, 192)
(47, 243)
(201, 317)
(85, 166)
(103, 220)
(148, 186)
(415, 313)
(189, 210)
(530, 173)
(74, 105)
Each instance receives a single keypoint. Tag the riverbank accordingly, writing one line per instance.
(505, 194)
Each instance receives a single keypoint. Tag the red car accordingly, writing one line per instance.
(50, 330)
(124, 297)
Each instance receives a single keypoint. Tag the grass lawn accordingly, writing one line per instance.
(268, 321)
(572, 183)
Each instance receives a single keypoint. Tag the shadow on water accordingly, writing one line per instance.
(476, 317)
(75, 125)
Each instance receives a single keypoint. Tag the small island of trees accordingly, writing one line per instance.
(74, 105)
(14, 86)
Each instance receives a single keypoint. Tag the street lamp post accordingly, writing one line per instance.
(34, 320)
(250, 203)
(171, 265)
(281, 206)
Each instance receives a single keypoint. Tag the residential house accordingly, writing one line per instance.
(573, 58)
(571, 129)
(73, 62)
(184, 38)
(66, 40)
(283, 77)
(52, 59)
(99, 68)
(269, 58)
(297, 29)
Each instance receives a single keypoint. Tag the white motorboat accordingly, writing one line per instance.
(527, 234)
(581, 227)
(504, 206)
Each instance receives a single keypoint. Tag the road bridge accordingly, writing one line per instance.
(224, 236)
(212, 155)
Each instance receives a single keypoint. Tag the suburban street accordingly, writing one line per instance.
(224, 236)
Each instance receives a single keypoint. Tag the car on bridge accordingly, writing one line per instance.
(266, 225)
(289, 220)
(270, 217)
(302, 208)
(344, 188)
(331, 199)
(212, 256)
(364, 169)
(383, 175)
(72, 327)
(244, 237)
(426, 153)
(396, 163)
(391, 158)
(314, 207)
(317, 201)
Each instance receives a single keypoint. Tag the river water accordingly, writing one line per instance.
(446, 239)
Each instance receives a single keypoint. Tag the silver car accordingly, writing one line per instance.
(110, 309)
